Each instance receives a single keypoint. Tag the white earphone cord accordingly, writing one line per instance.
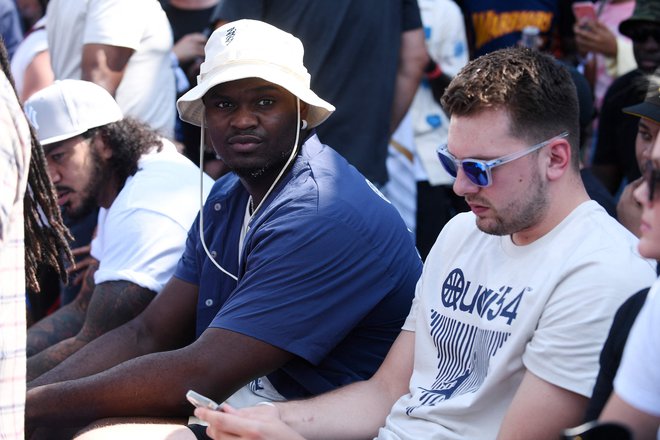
(201, 186)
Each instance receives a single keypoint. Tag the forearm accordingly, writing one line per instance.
(359, 409)
(217, 364)
(114, 347)
(64, 323)
(151, 385)
(353, 412)
(112, 304)
(49, 358)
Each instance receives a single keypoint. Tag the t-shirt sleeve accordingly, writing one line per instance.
(411, 320)
(299, 274)
(567, 342)
(411, 17)
(115, 23)
(140, 246)
(638, 379)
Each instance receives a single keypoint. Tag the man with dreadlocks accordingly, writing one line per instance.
(148, 194)
(26, 198)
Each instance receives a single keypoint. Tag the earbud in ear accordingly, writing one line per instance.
(303, 124)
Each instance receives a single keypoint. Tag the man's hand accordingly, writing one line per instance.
(595, 37)
(189, 47)
(83, 260)
(258, 422)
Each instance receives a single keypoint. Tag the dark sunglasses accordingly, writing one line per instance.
(641, 35)
(479, 171)
(652, 179)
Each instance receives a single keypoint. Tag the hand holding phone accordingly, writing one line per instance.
(201, 401)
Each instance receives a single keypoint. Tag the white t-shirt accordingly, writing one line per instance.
(486, 310)
(32, 45)
(147, 89)
(141, 237)
(638, 378)
(446, 43)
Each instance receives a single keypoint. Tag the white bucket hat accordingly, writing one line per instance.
(253, 49)
(68, 108)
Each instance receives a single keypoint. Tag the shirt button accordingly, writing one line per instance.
(217, 206)
(208, 302)
(214, 254)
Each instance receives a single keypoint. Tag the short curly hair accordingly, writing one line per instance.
(535, 90)
(129, 139)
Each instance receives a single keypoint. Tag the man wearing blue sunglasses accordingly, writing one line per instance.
(516, 297)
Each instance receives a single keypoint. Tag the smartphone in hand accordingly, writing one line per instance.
(584, 10)
(201, 401)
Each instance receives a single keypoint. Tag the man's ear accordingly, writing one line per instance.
(559, 159)
(104, 150)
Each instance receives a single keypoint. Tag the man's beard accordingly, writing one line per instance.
(276, 163)
(520, 214)
(98, 177)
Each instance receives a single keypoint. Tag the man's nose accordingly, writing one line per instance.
(244, 118)
(463, 185)
(53, 172)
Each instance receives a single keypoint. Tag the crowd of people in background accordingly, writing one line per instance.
(337, 219)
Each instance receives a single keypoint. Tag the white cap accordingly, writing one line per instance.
(68, 108)
(253, 49)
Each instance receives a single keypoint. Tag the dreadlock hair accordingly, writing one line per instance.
(46, 237)
(129, 139)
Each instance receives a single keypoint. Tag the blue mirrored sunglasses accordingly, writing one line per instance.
(479, 171)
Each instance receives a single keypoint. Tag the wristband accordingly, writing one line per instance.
(435, 73)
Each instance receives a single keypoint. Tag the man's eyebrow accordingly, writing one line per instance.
(260, 89)
(267, 88)
(51, 147)
(644, 124)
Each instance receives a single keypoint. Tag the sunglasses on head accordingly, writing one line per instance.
(652, 180)
(479, 171)
(642, 34)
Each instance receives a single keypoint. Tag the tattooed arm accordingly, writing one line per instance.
(65, 322)
(112, 304)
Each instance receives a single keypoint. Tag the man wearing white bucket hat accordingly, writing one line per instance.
(298, 282)
(371, 83)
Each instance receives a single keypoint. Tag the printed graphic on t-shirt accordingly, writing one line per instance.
(464, 350)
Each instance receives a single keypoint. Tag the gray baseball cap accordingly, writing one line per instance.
(68, 108)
